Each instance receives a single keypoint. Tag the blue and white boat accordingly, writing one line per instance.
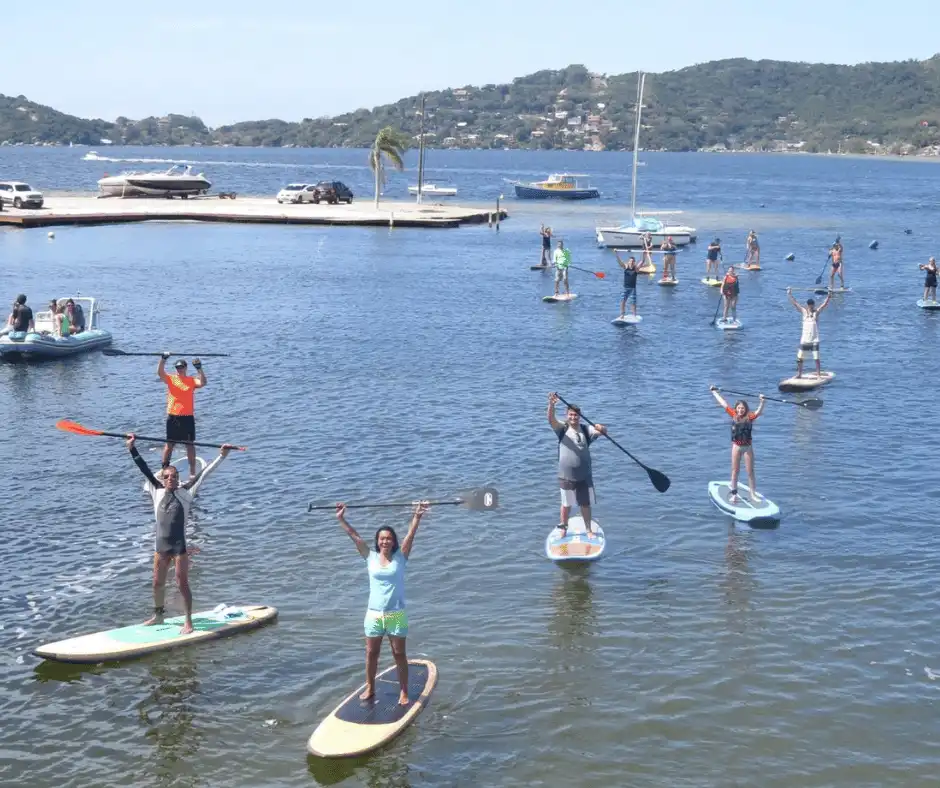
(559, 186)
(44, 344)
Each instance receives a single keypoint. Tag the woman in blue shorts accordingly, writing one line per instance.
(386, 613)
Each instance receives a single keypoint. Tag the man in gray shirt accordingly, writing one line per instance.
(574, 461)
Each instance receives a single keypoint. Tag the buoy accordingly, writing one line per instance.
(873, 245)
(51, 234)
(762, 205)
(790, 257)
(908, 232)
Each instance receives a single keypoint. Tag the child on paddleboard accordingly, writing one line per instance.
(729, 291)
(741, 421)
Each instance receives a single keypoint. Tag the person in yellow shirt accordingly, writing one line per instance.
(180, 411)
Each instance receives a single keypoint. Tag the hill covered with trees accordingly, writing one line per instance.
(727, 104)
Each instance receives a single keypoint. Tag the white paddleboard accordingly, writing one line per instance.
(763, 514)
(711, 282)
(357, 727)
(668, 282)
(809, 381)
(928, 304)
(134, 641)
(576, 545)
(732, 324)
(646, 269)
(627, 320)
(182, 465)
(563, 297)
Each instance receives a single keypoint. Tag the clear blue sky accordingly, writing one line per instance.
(241, 60)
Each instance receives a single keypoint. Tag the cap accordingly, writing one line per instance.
(180, 364)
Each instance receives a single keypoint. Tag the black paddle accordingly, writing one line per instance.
(813, 403)
(721, 297)
(113, 351)
(660, 480)
(820, 277)
(482, 499)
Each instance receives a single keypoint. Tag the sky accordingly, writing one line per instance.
(245, 60)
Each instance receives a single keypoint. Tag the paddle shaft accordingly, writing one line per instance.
(823, 272)
(721, 297)
(162, 440)
(588, 271)
(803, 404)
(312, 508)
(111, 351)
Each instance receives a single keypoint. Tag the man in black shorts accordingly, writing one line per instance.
(180, 418)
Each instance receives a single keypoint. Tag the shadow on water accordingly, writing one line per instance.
(574, 615)
(377, 770)
(48, 670)
(737, 581)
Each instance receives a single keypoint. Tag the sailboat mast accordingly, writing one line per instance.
(641, 81)
(421, 152)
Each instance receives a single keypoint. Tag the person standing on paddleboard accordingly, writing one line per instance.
(809, 339)
(180, 408)
(386, 612)
(546, 259)
(561, 259)
(838, 266)
(752, 255)
(574, 462)
(741, 421)
(712, 256)
(172, 503)
(629, 283)
(669, 259)
(729, 292)
(647, 263)
(930, 281)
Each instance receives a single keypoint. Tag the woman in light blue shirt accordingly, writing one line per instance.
(386, 613)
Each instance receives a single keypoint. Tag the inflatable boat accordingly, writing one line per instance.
(44, 344)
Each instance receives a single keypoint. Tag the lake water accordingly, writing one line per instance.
(374, 365)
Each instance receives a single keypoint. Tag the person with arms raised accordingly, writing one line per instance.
(741, 421)
(809, 339)
(180, 408)
(629, 283)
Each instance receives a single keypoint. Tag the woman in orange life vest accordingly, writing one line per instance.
(741, 419)
(180, 418)
(729, 290)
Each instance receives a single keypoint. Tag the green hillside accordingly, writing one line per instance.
(735, 104)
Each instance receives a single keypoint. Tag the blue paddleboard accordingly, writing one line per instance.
(765, 514)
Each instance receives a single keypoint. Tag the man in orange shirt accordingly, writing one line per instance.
(180, 413)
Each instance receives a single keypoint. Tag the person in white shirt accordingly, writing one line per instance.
(809, 339)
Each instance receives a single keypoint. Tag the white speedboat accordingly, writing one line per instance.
(176, 181)
(631, 235)
(43, 343)
(433, 190)
(92, 155)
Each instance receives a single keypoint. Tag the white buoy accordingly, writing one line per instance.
(51, 234)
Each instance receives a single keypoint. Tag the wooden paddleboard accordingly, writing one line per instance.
(751, 267)
(763, 514)
(561, 298)
(711, 282)
(928, 304)
(576, 545)
(182, 465)
(626, 320)
(134, 641)
(807, 382)
(357, 727)
(732, 324)
(668, 282)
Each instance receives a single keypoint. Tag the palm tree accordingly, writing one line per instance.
(389, 144)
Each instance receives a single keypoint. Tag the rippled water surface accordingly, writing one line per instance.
(388, 365)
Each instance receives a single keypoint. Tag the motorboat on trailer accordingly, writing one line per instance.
(631, 235)
(559, 186)
(44, 344)
(178, 181)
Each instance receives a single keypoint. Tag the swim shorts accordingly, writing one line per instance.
(808, 347)
(180, 428)
(391, 622)
(561, 274)
(629, 294)
(576, 493)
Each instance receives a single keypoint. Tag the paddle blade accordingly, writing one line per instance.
(75, 428)
(811, 404)
(481, 500)
(599, 274)
(660, 480)
(113, 351)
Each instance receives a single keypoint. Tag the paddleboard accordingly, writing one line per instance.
(182, 465)
(113, 645)
(928, 304)
(711, 282)
(728, 325)
(626, 320)
(751, 268)
(668, 282)
(539, 267)
(553, 299)
(764, 514)
(357, 727)
(808, 381)
(576, 545)
(646, 269)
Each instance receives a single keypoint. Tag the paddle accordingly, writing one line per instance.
(660, 480)
(823, 272)
(482, 499)
(113, 351)
(598, 274)
(813, 403)
(77, 429)
(715, 316)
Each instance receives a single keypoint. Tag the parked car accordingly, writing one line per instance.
(297, 193)
(20, 195)
(332, 192)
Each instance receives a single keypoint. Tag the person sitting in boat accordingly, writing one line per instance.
(60, 321)
(76, 316)
(21, 318)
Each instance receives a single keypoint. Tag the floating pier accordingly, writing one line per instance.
(92, 210)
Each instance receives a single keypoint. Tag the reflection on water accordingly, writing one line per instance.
(386, 768)
(574, 617)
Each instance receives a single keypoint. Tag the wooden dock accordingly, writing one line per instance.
(92, 210)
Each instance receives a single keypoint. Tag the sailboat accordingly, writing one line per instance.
(631, 235)
(422, 188)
